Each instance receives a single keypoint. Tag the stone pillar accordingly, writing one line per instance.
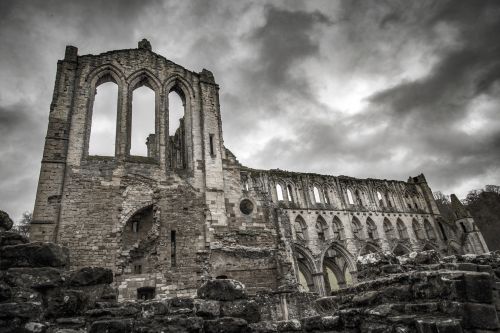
(319, 283)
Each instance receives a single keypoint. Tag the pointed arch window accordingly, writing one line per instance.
(316, 195)
(402, 232)
(143, 132)
(417, 229)
(177, 130)
(389, 230)
(289, 193)
(338, 229)
(380, 200)
(371, 229)
(279, 192)
(103, 126)
(321, 229)
(359, 202)
(349, 197)
(326, 199)
(429, 230)
(356, 228)
(300, 227)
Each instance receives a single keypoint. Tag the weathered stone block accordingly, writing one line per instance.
(34, 255)
(245, 309)
(25, 310)
(111, 326)
(207, 308)
(226, 325)
(292, 325)
(88, 276)
(479, 287)
(481, 316)
(6, 222)
(65, 303)
(222, 290)
(11, 238)
(35, 278)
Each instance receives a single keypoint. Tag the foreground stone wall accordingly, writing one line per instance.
(416, 293)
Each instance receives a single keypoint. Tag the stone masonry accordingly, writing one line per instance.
(189, 212)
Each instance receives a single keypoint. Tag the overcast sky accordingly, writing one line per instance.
(380, 89)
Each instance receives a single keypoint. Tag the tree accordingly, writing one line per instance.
(23, 225)
(444, 205)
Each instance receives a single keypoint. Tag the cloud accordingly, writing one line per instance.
(351, 87)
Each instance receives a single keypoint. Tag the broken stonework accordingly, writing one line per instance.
(222, 290)
(6, 222)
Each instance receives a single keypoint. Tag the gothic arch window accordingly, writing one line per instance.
(444, 236)
(429, 230)
(371, 229)
(388, 200)
(279, 192)
(321, 229)
(380, 200)
(357, 196)
(417, 229)
(402, 232)
(177, 130)
(357, 229)
(289, 193)
(350, 200)
(388, 229)
(326, 199)
(338, 229)
(300, 227)
(143, 127)
(104, 110)
(317, 198)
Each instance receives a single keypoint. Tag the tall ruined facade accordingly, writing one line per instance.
(189, 211)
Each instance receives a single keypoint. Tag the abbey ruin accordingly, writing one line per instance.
(189, 212)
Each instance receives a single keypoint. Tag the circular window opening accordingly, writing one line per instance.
(246, 206)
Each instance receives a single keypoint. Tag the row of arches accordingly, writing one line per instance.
(331, 272)
(326, 196)
(136, 103)
(334, 230)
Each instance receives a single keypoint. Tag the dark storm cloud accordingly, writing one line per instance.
(285, 39)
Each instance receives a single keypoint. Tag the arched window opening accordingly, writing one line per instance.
(300, 227)
(359, 202)
(175, 112)
(316, 195)
(335, 270)
(417, 229)
(143, 132)
(443, 232)
(356, 228)
(388, 200)
(338, 230)
(349, 197)
(380, 200)
(389, 230)
(429, 230)
(415, 203)
(176, 130)
(279, 192)
(326, 200)
(321, 229)
(371, 229)
(245, 185)
(103, 127)
(408, 201)
(402, 232)
(304, 272)
(289, 193)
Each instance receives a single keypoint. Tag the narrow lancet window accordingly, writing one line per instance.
(143, 132)
(103, 128)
